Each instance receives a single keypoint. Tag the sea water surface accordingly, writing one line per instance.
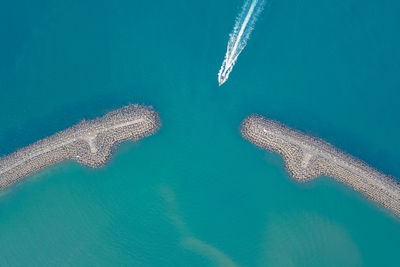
(196, 193)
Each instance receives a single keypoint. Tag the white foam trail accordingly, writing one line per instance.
(238, 38)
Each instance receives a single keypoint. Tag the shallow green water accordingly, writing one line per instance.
(196, 193)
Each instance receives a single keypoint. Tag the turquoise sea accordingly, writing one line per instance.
(196, 193)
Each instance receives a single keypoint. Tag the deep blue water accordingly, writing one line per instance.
(196, 193)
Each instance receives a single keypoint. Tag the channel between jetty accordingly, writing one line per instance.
(90, 143)
(307, 157)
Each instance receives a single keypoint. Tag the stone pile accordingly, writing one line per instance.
(307, 157)
(89, 142)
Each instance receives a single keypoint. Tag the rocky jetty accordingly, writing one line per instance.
(307, 157)
(89, 142)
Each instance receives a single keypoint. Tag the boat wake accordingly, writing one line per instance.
(238, 38)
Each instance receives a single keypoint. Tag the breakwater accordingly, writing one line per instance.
(89, 142)
(307, 157)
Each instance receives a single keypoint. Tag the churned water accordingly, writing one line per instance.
(196, 193)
